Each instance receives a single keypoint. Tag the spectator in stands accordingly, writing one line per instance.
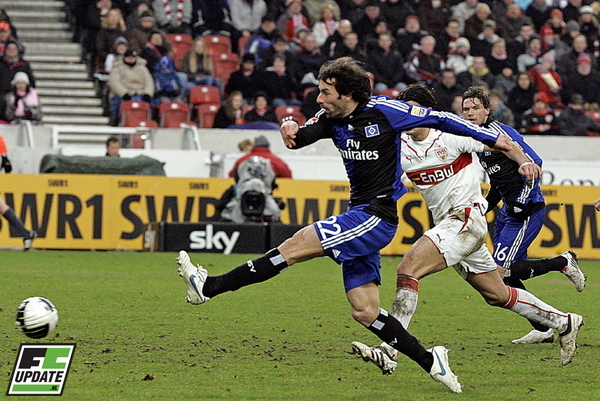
(446, 89)
(500, 111)
(133, 19)
(584, 80)
(463, 10)
(314, 10)
(138, 36)
(512, 21)
(567, 63)
(211, 17)
(279, 47)
(438, 13)
(350, 48)
(336, 40)
(113, 26)
(573, 121)
(279, 84)
(246, 145)
(6, 36)
(91, 21)
(394, 12)
(552, 29)
(366, 25)
(246, 15)
(532, 57)
(173, 16)
(327, 25)
(310, 107)
(521, 43)
(261, 110)
(129, 80)
(308, 62)
(261, 148)
(571, 10)
(425, 65)
(505, 81)
(564, 44)
(11, 64)
(245, 80)
(483, 45)
(293, 20)
(460, 59)
(547, 80)
(230, 112)
(6, 18)
(409, 37)
(474, 24)
(499, 59)
(197, 68)
(156, 47)
(588, 24)
(520, 99)
(263, 39)
(539, 12)
(23, 104)
(540, 119)
(352, 10)
(386, 64)
(118, 50)
(113, 146)
(477, 75)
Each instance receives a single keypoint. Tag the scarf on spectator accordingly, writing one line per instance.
(169, 14)
(23, 98)
(330, 26)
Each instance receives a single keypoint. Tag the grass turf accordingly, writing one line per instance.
(286, 339)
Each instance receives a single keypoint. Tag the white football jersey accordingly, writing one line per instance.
(443, 168)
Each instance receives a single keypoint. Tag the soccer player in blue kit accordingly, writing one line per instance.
(366, 131)
(521, 217)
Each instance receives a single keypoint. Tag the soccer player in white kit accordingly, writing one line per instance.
(441, 166)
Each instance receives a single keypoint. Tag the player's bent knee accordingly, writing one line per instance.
(365, 316)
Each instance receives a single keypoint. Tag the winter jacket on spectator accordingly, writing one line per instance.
(127, 80)
(247, 15)
(211, 17)
(574, 122)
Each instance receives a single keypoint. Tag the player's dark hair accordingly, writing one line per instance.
(420, 94)
(112, 139)
(478, 92)
(348, 76)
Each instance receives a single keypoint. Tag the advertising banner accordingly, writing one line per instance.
(109, 212)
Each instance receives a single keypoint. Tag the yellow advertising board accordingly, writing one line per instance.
(108, 212)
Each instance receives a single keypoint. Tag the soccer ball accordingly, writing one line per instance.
(36, 317)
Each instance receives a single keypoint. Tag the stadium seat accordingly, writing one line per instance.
(217, 44)
(132, 112)
(202, 94)
(206, 114)
(594, 115)
(225, 64)
(393, 93)
(294, 111)
(138, 140)
(173, 114)
(180, 44)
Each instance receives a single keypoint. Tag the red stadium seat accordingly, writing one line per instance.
(173, 114)
(132, 112)
(217, 44)
(294, 111)
(206, 114)
(202, 94)
(594, 115)
(180, 44)
(225, 65)
(393, 93)
(138, 140)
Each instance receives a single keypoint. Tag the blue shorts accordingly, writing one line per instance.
(354, 239)
(512, 237)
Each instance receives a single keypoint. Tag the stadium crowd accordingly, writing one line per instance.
(539, 58)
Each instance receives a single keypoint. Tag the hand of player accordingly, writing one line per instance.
(503, 143)
(531, 171)
(597, 204)
(288, 131)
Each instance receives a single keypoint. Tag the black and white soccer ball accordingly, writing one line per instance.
(36, 317)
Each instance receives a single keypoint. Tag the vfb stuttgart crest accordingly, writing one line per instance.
(442, 154)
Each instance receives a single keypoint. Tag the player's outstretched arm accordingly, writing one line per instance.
(527, 168)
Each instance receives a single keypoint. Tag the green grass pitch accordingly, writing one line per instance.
(285, 339)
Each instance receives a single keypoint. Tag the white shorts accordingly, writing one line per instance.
(460, 238)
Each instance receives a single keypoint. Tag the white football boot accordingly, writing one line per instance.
(440, 371)
(378, 355)
(568, 341)
(194, 278)
(572, 270)
(536, 337)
